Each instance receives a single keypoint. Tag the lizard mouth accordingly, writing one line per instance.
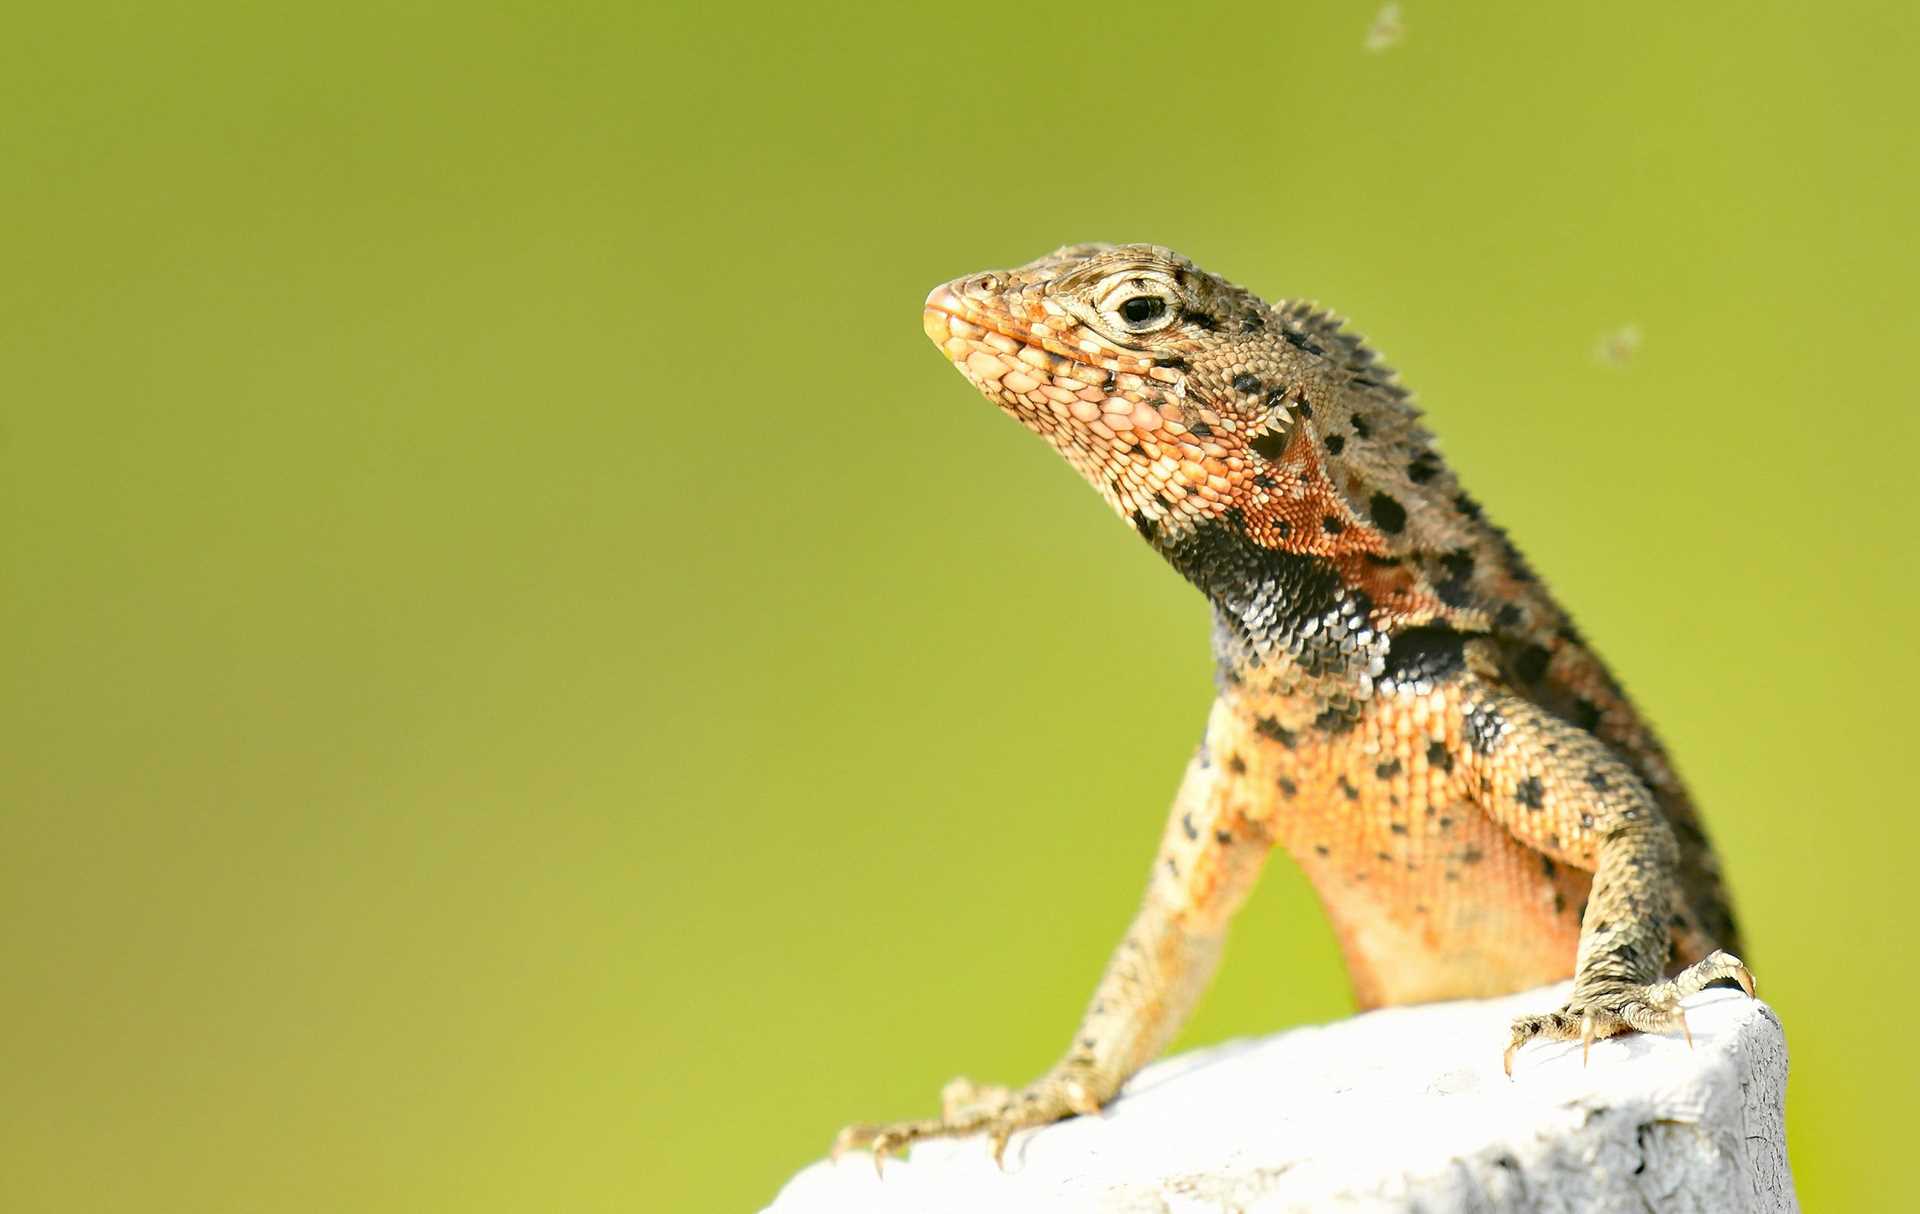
(960, 327)
(1018, 370)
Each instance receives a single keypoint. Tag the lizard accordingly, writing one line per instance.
(1402, 705)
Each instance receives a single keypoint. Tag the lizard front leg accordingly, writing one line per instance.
(1207, 862)
(1565, 794)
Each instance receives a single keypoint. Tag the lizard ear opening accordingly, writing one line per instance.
(1273, 444)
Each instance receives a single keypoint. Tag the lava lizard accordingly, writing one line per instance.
(1402, 705)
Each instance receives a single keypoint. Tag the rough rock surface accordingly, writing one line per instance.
(1404, 1109)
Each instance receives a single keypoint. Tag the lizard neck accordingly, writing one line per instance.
(1274, 607)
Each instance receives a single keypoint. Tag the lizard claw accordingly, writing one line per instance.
(1654, 1008)
(1739, 973)
(996, 1112)
(1000, 1137)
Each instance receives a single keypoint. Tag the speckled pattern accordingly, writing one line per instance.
(1403, 707)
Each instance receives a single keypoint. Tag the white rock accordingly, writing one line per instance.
(1403, 1109)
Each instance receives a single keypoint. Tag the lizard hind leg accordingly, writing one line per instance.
(1652, 1008)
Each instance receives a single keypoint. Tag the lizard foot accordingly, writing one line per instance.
(997, 1112)
(1654, 1008)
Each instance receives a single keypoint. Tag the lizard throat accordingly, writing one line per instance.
(1274, 605)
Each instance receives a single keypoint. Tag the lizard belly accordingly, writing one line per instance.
(1429, 897)
(1469, 914)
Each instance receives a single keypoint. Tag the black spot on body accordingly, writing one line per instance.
(1287, 787)
(1439, 756)
(1431, 653)
(1201, 320)
(1484, 727)
(1320, 849)
(1335, 444)
(1362, 429)
(1306, 410)
(1453, 588)
(1267, 727)
(1173, 363)
(1586, 714)
(1200, 430)
(1143, 524)
(1260, 478)
(1423, 468)
(1517, 567)
(1223, 836)
(1530, 793)
(1398, 828)
(1467, 506)
(1332, 525)
(1186, 824)
(1247, 383)
(1508, 617)
(1531, 663)
(1299, 342)
(1388, 513)
(1333, 720)
(1598, 780)
(1387, 770)
(1236, 765)
(1347, 788)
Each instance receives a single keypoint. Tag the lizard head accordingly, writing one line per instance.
(1153, 378)
(1209, 419)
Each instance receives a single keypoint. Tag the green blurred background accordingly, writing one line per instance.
(528, 684)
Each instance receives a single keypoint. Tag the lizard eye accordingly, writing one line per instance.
(1136, 305)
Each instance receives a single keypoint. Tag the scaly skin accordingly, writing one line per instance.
(1403, 707)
